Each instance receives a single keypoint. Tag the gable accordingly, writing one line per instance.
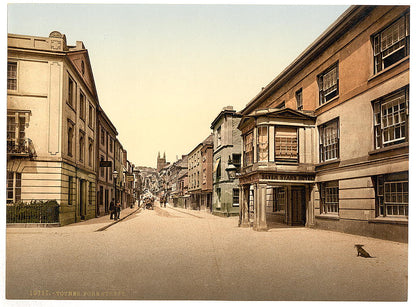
(81, 63)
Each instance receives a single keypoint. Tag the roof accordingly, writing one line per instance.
(338, 28)
(225, 111)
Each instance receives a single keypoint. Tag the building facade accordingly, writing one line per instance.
(51, 125)
(106, 139)
(206, 180)
(325, 144)
(198, 190)
(227, 147)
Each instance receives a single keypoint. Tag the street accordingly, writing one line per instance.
(172, 253)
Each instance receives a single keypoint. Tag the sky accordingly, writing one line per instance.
(164, 72)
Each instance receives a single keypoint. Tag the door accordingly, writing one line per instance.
(298, 206)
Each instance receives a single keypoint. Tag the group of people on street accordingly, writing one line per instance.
(115, 209)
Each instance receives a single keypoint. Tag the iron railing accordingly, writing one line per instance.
(20, 147)
(42, 213)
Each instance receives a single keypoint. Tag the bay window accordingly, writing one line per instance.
(248, 149)
(262, 144)
(286, 144)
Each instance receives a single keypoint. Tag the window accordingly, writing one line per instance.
(329, 141)
(392, 192)
(299, 100)
(391, 119)
(248, 149)
(328, 84)
(16, 136)
(91, 116)
(71, 91)
(281, 105)
(219, 137)
(262, 144)
(90, 151)
(12, 76)
(82, 106)
(111, 144)
(237, 162)
(391, 44)
(217, 169)
(70, 190)
(204, 176)
(286, 144)
(81, 145)
(14, 187)
(70, 138)
(102, 137)
(329, 197)
(279, 200)
(236, 197)
(101, 167)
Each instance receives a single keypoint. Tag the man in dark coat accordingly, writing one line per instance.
(112, 209)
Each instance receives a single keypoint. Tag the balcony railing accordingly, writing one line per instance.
(20, 147)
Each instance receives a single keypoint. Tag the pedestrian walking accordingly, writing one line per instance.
(112, 209)
(118, 210)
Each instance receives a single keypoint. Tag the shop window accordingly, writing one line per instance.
(248, 149)
(391, 119)
(391, 44)
(14, 187)
(279, 200)
(328, 84)
(329, 197)
(286, 144)
(12, 76)
(329, 141)
(392, 192)
(262, 144)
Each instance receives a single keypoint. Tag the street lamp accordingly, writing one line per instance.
(115, 175)
(231, 170)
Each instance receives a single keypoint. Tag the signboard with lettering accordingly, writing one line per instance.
(106, 163)
(129, 178)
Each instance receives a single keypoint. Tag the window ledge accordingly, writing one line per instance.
(388, 69)
(390, 220)
(328, 102)
(327, 217)
(389, 148)
(328, 162)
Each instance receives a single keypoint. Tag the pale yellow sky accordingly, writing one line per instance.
(164, 72)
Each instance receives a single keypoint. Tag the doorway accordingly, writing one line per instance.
(298, 206)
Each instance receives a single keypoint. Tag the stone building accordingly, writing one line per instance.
(51, 124)
(227, 147)
(206, 180)
(325, 144)
(106, 139)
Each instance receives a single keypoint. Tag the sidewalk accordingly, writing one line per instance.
(105, 219)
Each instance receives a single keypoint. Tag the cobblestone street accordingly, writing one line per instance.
(172, 253)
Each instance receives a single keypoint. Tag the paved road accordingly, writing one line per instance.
(179, 254)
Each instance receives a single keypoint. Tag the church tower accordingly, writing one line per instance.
(161, 162)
